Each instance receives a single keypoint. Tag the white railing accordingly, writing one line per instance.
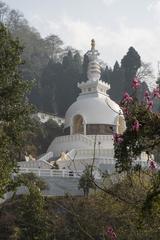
(99, 153)
(51, 172)
(101, 137)
(97, 161)
(72, 138)
(85, 138)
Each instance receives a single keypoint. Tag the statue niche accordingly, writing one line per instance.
(78, 125)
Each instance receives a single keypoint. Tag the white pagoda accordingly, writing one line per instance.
(89, 124)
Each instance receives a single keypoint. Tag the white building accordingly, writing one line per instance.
(44, 117)
(89, 124)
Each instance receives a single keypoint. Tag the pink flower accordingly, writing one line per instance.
(136, 125)
(110, 232)
(136, 83)
(118, 138)
(152, 165)
(156, 92)
(127, 98)
(125, 110)
(149, 105)
(114, 236)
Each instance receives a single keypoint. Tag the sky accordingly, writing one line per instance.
(114, 24)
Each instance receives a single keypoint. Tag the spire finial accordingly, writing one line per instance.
(93, 44)
(94, 71)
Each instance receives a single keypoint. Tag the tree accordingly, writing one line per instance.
(15, 20)
(48, 87)
(67, 79)
(157, 103)
(117, 82)
(77, 62)
(3, 11)
(106, 75)
(142, 132)
(142, 135)
(14, 109)
(32, 219)
(85, 68)
(35, 54)
(145, 72)
(131, 62)
(86, 181)
(53, 46)
(58, 84)
(43, 58)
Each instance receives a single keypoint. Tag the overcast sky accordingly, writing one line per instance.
(115, 24)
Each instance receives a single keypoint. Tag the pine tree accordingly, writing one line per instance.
(48, 87)
(117, 82)
(66, 90)
(77, 62)
(85, 68)
(131, 62)
(106, 74)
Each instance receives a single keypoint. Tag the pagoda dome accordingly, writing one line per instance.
(94, 113)
(94, 110)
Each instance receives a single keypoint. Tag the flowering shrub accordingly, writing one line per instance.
(136, 83)
(142, 132)
(117, 138)
(136, 125)
(127, 98)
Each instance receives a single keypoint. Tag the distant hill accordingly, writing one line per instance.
(56, 69)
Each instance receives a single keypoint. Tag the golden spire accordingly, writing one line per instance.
(93, 44)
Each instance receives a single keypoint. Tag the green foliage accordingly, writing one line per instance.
(57, 70)
(122, 75)
(117, 82)
(48, 86)
(32, 217)
(53, 45)
(27, 218)
(85, 68)
(28, 179)
(130, 63)
(120, 206)
(67, 87)
(14, 109)
(144, 140)
(86, 181)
